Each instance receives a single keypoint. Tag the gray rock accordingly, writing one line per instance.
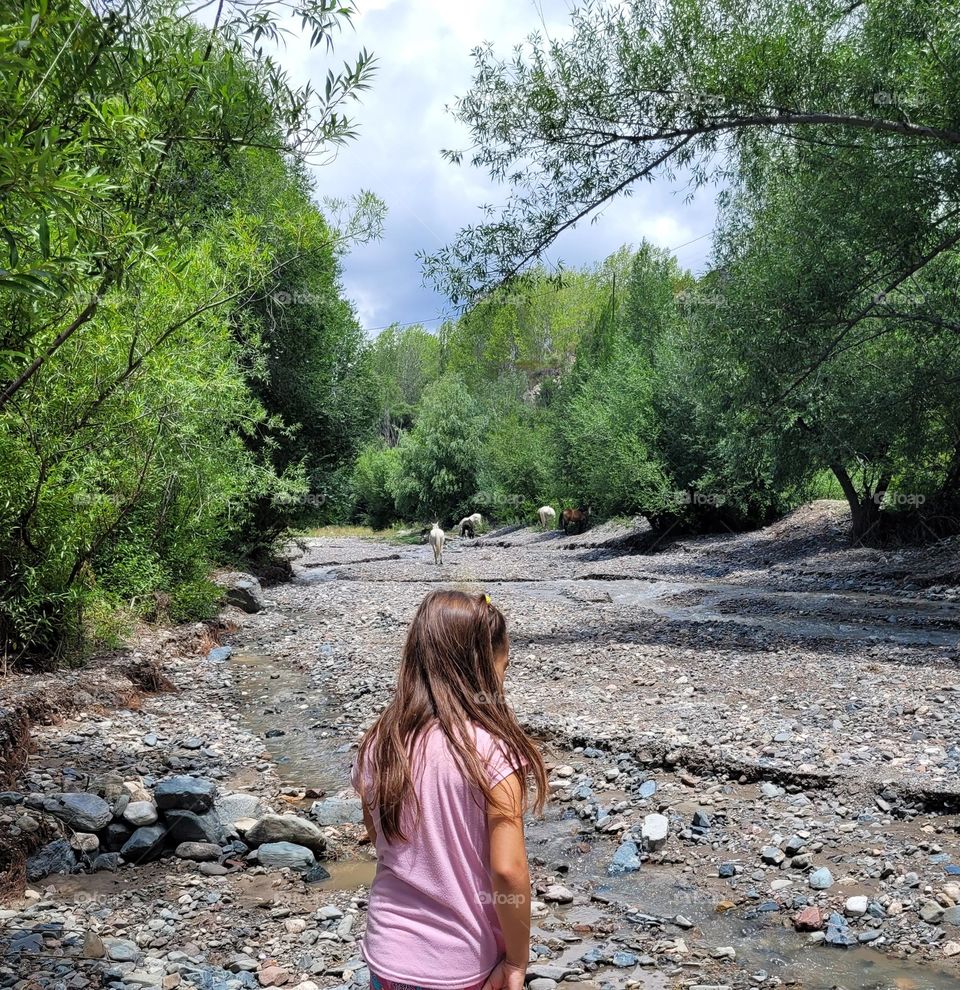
(286, 828)
(82, 812)
(931, 912)
(771, 855)
(145, 844)
(84, 842)
(647, 789)
(544, 971)
(199, 851)
(220, 653)
(188, 793)
(121, 949)
(856, 907)
(237, 805)
(139, 813)
(542, 983)
(54, 857)
(655, 830)
(286, 854)
(242, 590)
(107, 861)
(188, 826)
(558, 894)
(337, 811)
(951, 916)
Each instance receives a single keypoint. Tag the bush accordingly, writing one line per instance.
(373, 482)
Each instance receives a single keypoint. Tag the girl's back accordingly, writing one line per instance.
(431, 909)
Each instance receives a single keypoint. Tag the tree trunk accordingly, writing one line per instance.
(864, 511)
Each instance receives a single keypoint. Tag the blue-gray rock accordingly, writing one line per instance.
(771, 855)
(951, 916)
(9, 798)
(286, 854)
(54, 857)
(145, 844)
(838, 932)
(794, 845)
(727, 870)
(624, 959)
(953, 871)
(220, 653)
(80, 811)
(234, 806)
(202, 852)
(701, 819)
(821, 879)
(107, 861)
(625, 860)
(187, 793)
(337, 811)
(647, 789)
(188, 826)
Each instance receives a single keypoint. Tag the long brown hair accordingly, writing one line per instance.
(447, 677)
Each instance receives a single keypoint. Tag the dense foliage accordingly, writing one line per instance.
(178, 372)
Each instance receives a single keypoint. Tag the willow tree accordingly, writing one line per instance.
(650, 88)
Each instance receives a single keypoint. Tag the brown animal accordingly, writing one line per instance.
(575, 520)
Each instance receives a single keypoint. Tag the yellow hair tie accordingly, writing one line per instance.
(487, 598)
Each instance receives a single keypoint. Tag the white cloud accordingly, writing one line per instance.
(423, 50)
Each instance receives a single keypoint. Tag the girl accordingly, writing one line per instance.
(442, 775)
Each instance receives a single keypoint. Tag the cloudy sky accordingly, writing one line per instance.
(423, 50)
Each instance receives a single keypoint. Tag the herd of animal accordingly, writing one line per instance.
(571, 521)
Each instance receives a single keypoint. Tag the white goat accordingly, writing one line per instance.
(437, 538)
(469, 525)
(547, 516)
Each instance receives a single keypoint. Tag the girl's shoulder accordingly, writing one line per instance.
(497, 756)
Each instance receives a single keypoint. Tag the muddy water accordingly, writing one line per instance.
(310, 753)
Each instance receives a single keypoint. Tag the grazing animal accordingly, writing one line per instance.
(467, 528)
(576, 519)
(437, 539)
(546, 515)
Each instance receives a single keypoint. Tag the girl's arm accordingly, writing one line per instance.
(510, 878)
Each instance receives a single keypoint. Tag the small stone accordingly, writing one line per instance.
(772, 855)
(951, 949)
(93, 947)
(654, 831)
(337, 811)
(931, 912)
(199, 851)
(626, 859)
(139, 813)
(84, 842)
(727, 870)
(821, 879)
(808, 920)
(558, 894)
(856, 907)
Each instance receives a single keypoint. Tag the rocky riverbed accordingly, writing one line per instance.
(754, 744)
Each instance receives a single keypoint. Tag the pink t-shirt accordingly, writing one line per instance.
(431, 919)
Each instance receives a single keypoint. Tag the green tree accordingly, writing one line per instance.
(439, 459)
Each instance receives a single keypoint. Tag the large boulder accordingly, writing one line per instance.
(188, 826)
(199, 851)
(242, 590)
(286, 828)
(189, 793)
(116, 835)
(337, 811)
(80, 811)
(54, 857)
(145, 844)
(285, 854)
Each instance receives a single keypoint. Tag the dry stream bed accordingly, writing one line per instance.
(788, 706)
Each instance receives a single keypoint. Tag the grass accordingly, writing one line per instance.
(397, 533)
